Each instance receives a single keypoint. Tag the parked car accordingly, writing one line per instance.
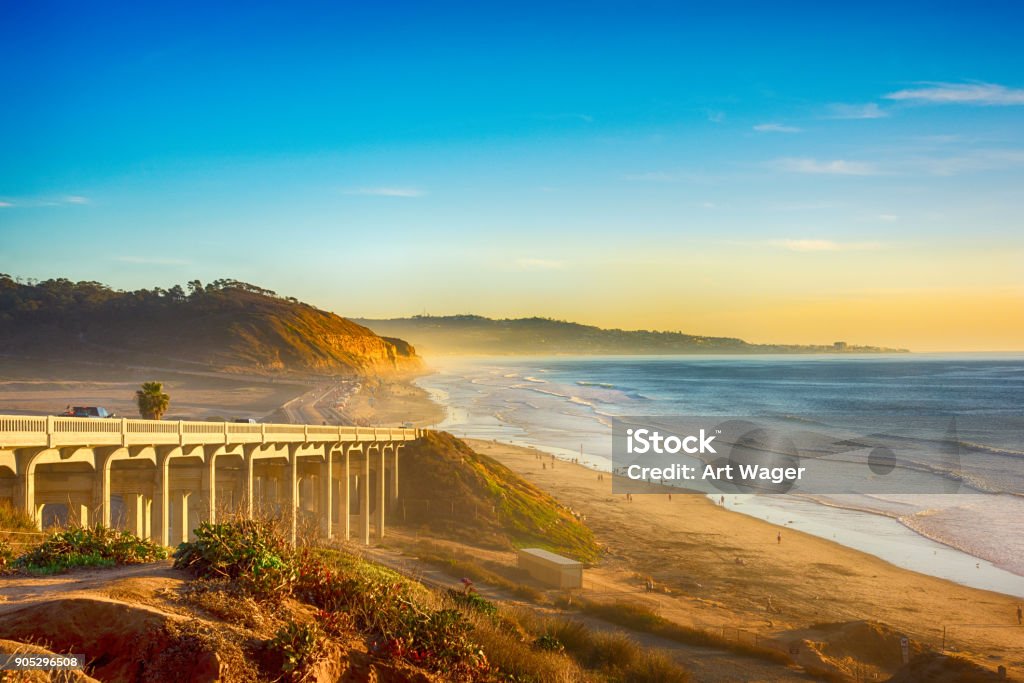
(89, 411)
(246, 420)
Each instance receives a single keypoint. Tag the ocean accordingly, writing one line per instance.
(565, 405)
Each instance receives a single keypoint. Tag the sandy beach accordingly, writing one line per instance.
(718, 569)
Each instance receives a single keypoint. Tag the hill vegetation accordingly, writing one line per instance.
(474, 334)
(223, 326)
(455, 492)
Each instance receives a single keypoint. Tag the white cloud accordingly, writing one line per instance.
(979, 160)
(708, 205)
(539, 264)
(824, 245)
(856, 111)
(819, 167)
(888, 217)
(37, 202)
(386, 191)
(715, 116)
(776, 128)
(986, 94)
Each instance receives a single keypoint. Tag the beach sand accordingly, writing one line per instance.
(44, 388)
(720, 568)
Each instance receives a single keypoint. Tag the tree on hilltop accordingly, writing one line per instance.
(152, 400)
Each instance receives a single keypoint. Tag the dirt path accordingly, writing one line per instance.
(18, 590)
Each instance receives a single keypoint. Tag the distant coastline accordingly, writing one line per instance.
(478, 335)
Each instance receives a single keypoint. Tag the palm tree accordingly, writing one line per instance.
(152, 400)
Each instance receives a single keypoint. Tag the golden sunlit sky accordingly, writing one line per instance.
(806, 174)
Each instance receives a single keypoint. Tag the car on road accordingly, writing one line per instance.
(88, 411)
(246, 420)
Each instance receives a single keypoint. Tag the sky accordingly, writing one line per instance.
(781, 172)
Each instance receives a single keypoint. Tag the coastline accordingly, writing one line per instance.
(889, 538)
(720, 567)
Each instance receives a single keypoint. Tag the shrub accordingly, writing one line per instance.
(6, 556)
(548, 643)
(301, 647)
(473, 601)
(96, 546)
(248, 551)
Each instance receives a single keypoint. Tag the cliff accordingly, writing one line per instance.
(226, 326)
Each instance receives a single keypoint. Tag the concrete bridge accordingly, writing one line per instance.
(160, 479)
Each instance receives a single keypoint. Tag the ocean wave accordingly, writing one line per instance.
(534, 379)
(992, 450)
(998, 553)
(603, 385)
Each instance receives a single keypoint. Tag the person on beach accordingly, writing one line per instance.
(1020, 615)
(778, 538)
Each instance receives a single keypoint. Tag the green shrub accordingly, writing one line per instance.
(548, 643)
(248, 551)
(474, 601)
(301, 647)
(96, 546)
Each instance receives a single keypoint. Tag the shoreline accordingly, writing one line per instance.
(721, 566)
(897, 542)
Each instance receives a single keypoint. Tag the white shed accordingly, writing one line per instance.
(552, 569)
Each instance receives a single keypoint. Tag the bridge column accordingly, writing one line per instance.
(346, 493)
(183, 522)
(394, 474)
(247, 480)
(382, 488)
(327, 492)
(364, 497)
(25, 490)
(102, 490)
(135, 504)
(293, 489)
(208, 485)
(147, 518)
(78, 513)
(161, 524)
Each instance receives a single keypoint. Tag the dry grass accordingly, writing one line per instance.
(223, 600)
(201, 648)
(614, 656)
(460, 563)
(643, 618)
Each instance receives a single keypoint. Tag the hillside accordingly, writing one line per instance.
(451, 490)
(473, 334)
(225, 326)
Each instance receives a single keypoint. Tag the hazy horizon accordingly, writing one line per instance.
(796, 175)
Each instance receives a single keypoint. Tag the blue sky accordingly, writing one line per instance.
(738, 169)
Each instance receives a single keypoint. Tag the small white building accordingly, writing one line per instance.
(552, 569)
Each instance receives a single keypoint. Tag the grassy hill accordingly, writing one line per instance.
(225, 326)
(474, 334)
(451, 490)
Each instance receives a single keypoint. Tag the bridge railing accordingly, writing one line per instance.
(52, 431)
